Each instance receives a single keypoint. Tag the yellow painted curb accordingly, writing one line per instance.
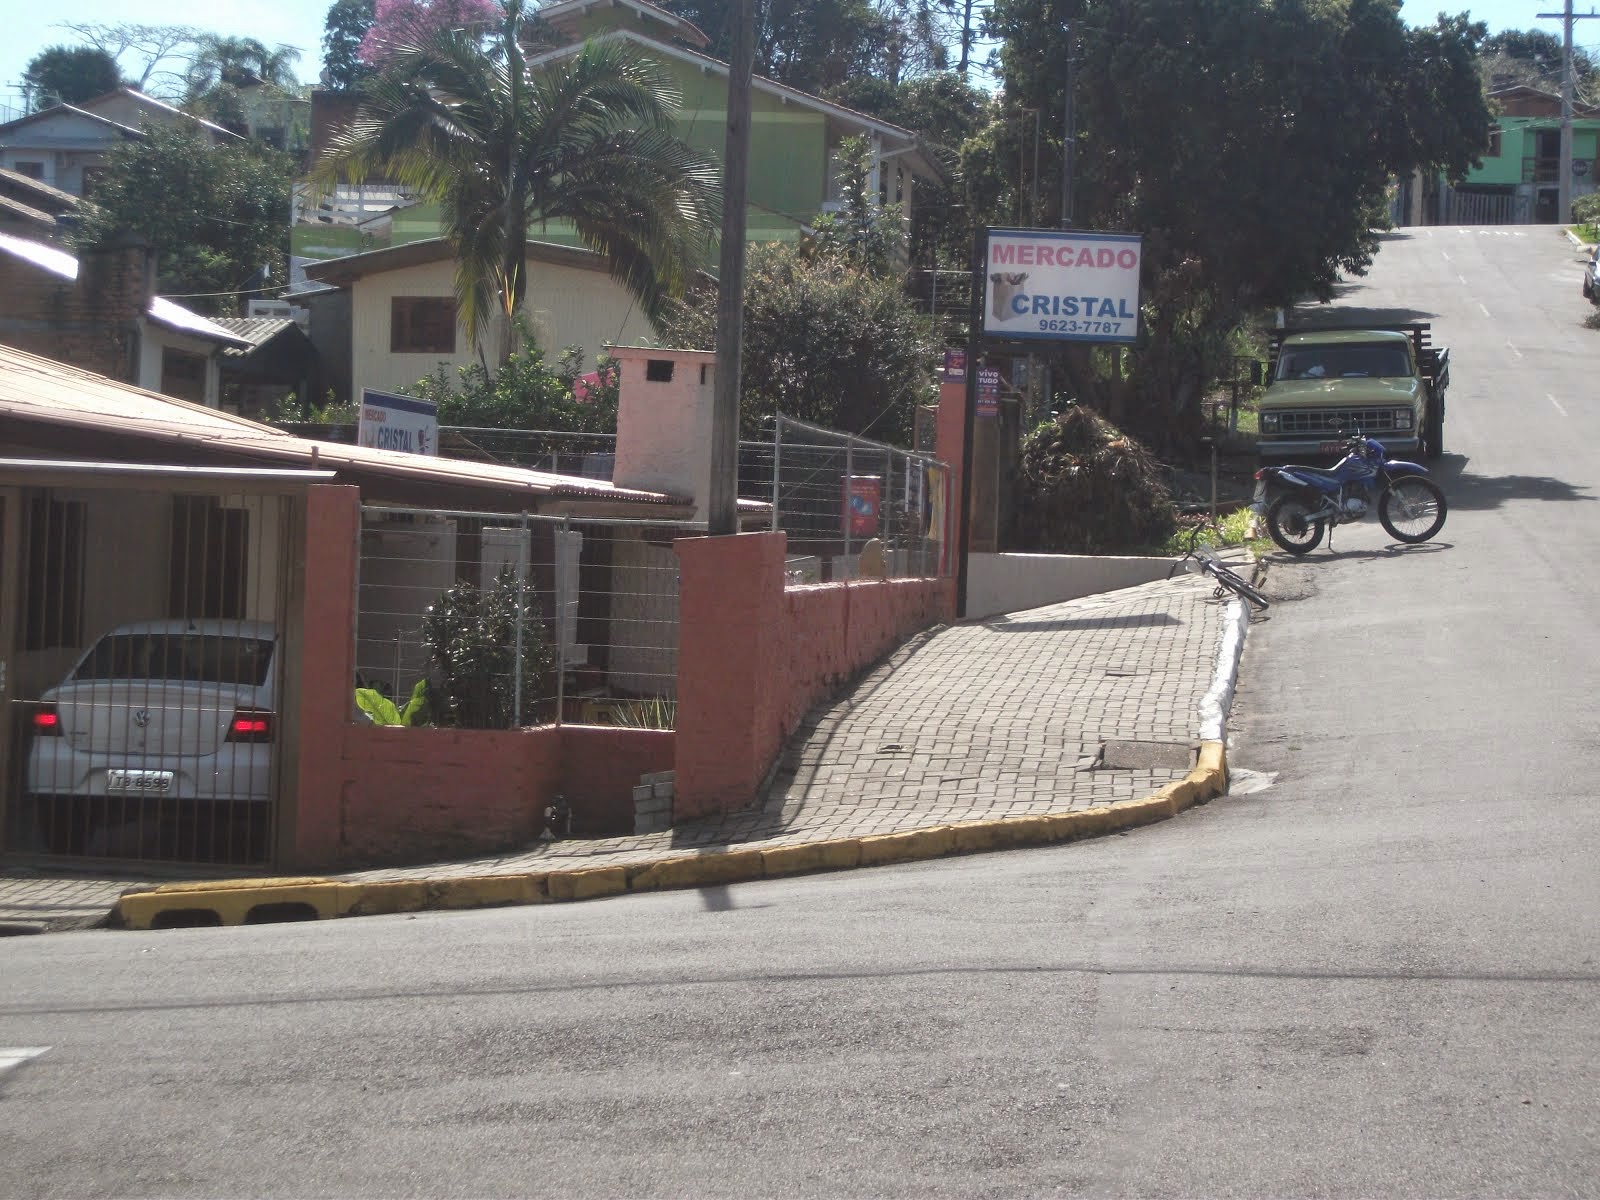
(489, 891)
(909, 846)
(587, 884)
(231, 902)
(838, 855)
(705, 870)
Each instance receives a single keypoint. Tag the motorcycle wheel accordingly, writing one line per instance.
(1412, 510)
(1289, 524)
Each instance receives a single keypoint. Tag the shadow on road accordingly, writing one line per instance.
(1466, 490)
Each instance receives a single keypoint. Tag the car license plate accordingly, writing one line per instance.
(138, 781)
(1330, 447)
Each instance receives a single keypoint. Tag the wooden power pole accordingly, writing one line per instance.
(722, 505)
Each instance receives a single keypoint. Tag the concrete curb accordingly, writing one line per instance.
(251, 901)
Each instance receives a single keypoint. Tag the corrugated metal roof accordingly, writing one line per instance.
(18, 208)
(38, 187)
(257, 331)
(163, 311)
(43, 391)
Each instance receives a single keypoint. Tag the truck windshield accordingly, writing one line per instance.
(1344, 362)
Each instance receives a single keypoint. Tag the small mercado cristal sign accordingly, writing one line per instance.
(390, 422)
(1061, 285)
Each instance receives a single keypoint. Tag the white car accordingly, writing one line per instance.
(161, 709)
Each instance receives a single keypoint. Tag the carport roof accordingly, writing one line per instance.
(84, 407)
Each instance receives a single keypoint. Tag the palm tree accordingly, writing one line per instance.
(587, 139)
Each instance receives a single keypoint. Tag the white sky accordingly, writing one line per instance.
(31, 26)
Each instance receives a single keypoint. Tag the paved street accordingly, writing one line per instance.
(1369, 971)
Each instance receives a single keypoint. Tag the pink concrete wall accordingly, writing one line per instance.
(408, 795)
(600, 767)
(324, 676)
(753, 658)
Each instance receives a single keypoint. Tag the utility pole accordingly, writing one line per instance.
(722, 505)
(1068, 143)
(1564, 183)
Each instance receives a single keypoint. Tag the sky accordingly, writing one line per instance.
(33, 25)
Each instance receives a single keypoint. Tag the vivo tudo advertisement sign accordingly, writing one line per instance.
(390, 422)
(1061, 285)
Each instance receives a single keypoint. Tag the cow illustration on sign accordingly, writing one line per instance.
(1006, 286)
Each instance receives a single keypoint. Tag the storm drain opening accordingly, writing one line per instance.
(1146, 756)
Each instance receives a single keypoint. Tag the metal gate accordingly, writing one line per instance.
(1482, 208)
(144, 660)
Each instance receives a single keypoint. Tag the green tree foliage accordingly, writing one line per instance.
(585, 138)
(824, 341)
(158, 54)
(215, 215)
(945, 111)
(346, 25)
(1534, 57)
(864, 233)
(69, 75)
(472, 636)
(240, 62)
(524, 394)
(1250, 142)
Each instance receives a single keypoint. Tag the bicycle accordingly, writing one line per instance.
(1203, 560)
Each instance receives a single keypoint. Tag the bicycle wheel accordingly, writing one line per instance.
(1289, 523)
(1412, 509)
(1226, 578)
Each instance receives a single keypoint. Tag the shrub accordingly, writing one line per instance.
(1084, 487)
(471, 635)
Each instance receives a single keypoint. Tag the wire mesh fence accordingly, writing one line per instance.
(851, 507)
(498, 621)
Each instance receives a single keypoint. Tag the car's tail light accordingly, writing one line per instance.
(1260, 475)
(46, 721)
(250, 725)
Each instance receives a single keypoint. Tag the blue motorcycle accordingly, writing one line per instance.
(1411, 507)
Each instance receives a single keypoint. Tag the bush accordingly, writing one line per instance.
(471, 635)
(1084, 487)
(523, 394)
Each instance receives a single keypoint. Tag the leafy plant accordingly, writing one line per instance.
(651, 712)
(381, 710)
(471, 636)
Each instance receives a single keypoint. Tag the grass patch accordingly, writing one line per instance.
(1588, 233)
(1232, 529)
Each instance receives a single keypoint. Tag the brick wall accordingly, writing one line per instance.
(92, 323)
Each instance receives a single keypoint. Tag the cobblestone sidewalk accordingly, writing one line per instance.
(1001, 718)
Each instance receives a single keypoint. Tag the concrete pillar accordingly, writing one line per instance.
(733, 669)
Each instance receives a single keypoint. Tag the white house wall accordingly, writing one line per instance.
(566, 306)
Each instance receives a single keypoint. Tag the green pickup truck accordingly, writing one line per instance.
(1384, 380)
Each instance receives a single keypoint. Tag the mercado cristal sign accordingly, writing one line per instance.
(1061, 285)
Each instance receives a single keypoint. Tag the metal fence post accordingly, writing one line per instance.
(922, 530)
(777, 471)
(849, 470)
(886, 511)
(561, 650)
(522, 608)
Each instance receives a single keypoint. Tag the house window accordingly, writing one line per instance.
(55, 574)
(1494, 144)
(33, 170)
(422, 325)
(658, 370)
(208, 559)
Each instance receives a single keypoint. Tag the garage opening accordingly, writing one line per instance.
(146, 663)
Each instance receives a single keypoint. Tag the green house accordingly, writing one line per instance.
(794, 136)
(1519, 179)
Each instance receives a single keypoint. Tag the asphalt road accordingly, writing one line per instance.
(1370, 972)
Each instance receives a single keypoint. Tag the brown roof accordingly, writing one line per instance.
(46, 395)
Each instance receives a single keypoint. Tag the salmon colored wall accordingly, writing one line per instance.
(417, 794)
(326, 672)
(600, 767)
(731, 649)
(753, 658)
